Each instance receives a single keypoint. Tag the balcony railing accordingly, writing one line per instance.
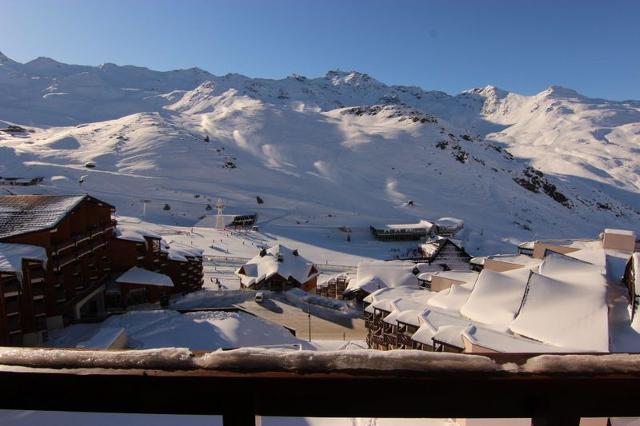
(78, 239)
(550, 389)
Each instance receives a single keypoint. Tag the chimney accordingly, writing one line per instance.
(263, 252)
(295, 252)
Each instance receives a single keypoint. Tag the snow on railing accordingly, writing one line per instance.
(243, 383)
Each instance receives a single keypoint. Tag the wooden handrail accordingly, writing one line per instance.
(554, 390)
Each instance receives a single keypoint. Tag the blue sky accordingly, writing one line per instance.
(523, 46)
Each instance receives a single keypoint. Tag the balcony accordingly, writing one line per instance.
(38, 293)
(12, 305)
(77, 240)
(39, 307)
(14, 324)
(65, 261)
(10, 288)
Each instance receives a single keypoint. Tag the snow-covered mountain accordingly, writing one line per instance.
(343, 149)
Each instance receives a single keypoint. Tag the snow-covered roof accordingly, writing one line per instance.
(517, 259)
(620, 232)
(104, 338)
(197, 330)
(453, 298)
(411, 316)
(142, 276)
(463, 276)
(374, 275)
(20, 214)
(496, 297)
(566, 306)
(450, 334)
(401, 305)
(450, 222)
(505, 342)
(278, 260)
(396, 292)
(179, 252)
(432, 320)
(432, 246)
(11, 256)
(135, 233)
(420, 226)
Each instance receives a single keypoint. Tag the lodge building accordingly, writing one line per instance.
(66, 279)
(59, 256)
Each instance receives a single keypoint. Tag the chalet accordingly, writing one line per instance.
(445, 253)
(400, 232)
(278, 268)
(75, 232)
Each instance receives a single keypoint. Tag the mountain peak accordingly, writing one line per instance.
(353, 78)
(560, 92)
(44, 61)
(488, 91)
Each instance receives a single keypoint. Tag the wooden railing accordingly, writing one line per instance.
(552, 390)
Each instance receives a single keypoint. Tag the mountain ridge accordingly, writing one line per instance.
(513, 166)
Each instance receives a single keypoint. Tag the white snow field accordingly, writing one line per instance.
(321, 153)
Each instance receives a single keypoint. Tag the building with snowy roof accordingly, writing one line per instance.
(136, 246)
(573, 299)
(445, 253)
(55, 260)
(278, 268)
(400, 232)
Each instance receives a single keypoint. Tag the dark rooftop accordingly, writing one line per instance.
(20, 214)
